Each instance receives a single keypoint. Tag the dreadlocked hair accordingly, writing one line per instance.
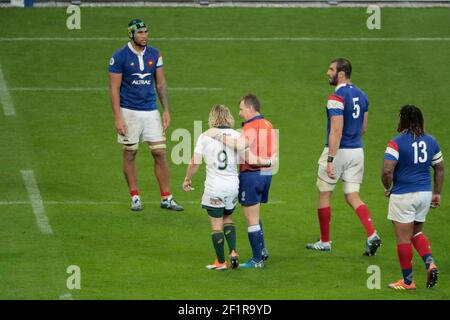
(411, 120)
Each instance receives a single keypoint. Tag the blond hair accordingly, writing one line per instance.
(220, 116)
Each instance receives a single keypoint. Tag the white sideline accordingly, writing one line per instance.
(36, 201)
(5, 97)
(103, 89)
(246, 4)
(100, 203)
(257, 39)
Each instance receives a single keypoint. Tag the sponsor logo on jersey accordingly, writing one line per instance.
(142, 75)
(141, 80)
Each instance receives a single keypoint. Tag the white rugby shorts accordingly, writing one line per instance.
(145, 125)
(349, 167)
(227, 202)
(409, 207)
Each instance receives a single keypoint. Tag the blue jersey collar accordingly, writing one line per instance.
(260, 116)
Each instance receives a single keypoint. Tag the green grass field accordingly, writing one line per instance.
(68, 139)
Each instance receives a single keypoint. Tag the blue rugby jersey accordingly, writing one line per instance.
(414, 156)
(352, 103)
(138, 70)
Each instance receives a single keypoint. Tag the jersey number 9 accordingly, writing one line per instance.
(223, 160)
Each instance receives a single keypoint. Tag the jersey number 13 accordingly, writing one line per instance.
(421, 148)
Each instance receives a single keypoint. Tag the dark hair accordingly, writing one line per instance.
(411, 120)
(344, 65)
(252, 101)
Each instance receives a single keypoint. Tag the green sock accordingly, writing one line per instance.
(218, 243)
(229, 230)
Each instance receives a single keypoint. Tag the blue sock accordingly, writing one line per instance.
(261, 234)
(407, 275)
(254, 236)
(427, 259)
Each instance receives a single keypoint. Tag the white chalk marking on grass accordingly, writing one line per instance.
(300, 39)
(14, 203)
(102, 203)
(5, 97)
(102, 89)
(66, 296)
(256, 39)
(36, 201)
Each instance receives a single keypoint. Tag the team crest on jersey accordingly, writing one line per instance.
(150, 63)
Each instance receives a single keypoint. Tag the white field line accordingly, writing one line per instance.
(102, 203)
(256, 39)
(245, 4)
(101, 89)
(66, 296)
(5, 97)
(36, 201)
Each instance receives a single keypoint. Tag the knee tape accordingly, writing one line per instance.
(130, 147)
(324, 186)
(157, 146)
(350, 187)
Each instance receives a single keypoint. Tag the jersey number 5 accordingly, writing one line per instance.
(356, 108)
(423, 150)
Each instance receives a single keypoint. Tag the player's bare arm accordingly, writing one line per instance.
(238, 144)
(365, 122)
(115, 80)
(387, 175)
(192, 169)
(261, 161)
(438, 181)
(336, 127)
(253, 159)
(161, 88)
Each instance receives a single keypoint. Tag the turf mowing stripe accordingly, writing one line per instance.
(36, 201)
(234, 39)
(105, 89)
(5, 97)
(100, 203)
